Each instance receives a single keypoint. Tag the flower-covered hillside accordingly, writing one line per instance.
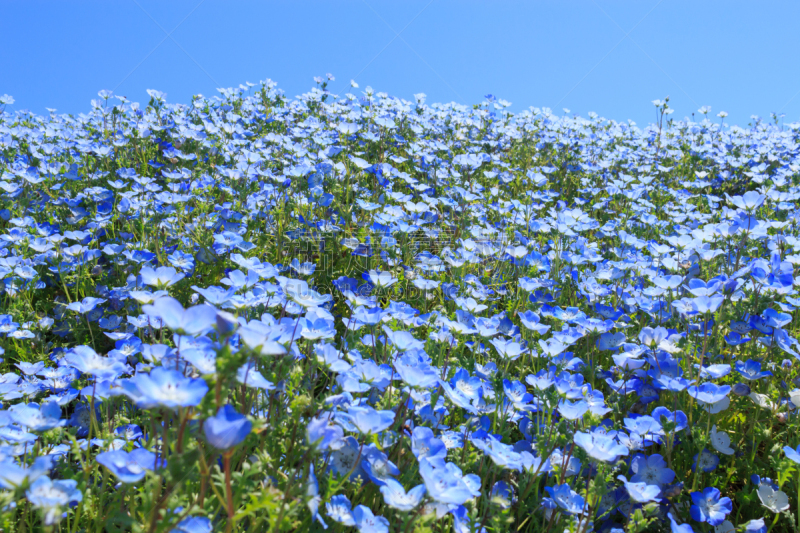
(355, 312)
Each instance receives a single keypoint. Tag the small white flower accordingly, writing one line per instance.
(775, 500)
(721, 441)
(716, 407)
(763, 401)
(794, 396)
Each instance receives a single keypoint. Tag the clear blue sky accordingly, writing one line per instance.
(611, 57)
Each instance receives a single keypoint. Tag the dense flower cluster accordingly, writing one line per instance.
(357, 312)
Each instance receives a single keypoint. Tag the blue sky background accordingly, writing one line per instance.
(611, 57)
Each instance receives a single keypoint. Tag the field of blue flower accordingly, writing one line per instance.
(360, 313)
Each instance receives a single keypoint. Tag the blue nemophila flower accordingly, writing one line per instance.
(715, 371)
(331, 357)
(339, 510)
(793, 454)
(705, 461)
(129, 432)
(425, 284)
(37, 417)
(463, 522)
(761, 324)
(249, 376)
(708, 506)
(238, 280)
(608, 312)
(215, 295)
(163, 388)
(756, 526)
(425, 444)
(192, 321)
(640, 492)
(368, 316)
(414, 372)
(471, 305)
(756, 480)
(651, 470)
(225, 240)
(785, 342)
(227, 428)
(82, 418)
(322, 432)
(536, 465)
(600, 446)
(303, 269)
(653, 337)
(570, 314)
(596, 402)
(446, 483)
(751, 370)
(52, 497)
(161, 277)
(643, 425)
(531, 321)
(486, 327)
(345, 458)
(89, 362)
(777, 319)
(380, 279)
(194, 524)
(566, 499)
(675, 527)
(666, 381)
(502, 454)
(403, 341)
(469, 386)
(570, 385)
(86, 305)
(30, 369)
(182, 260)
(610, 341)
(367, 522)
(396, 497)
(508, 348)
(668, 282)
(316, 329)
(377, 465)
(543, 380)
(735, 339)
(573, 410)
(594, 326)
(699, 287)
(14, 475)
(265, 340)
(368, 420)
(128, 467)
(709, 393)
(517, 393)
(706, 304)
(749, 201)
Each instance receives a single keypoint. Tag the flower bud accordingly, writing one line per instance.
(741, 389)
